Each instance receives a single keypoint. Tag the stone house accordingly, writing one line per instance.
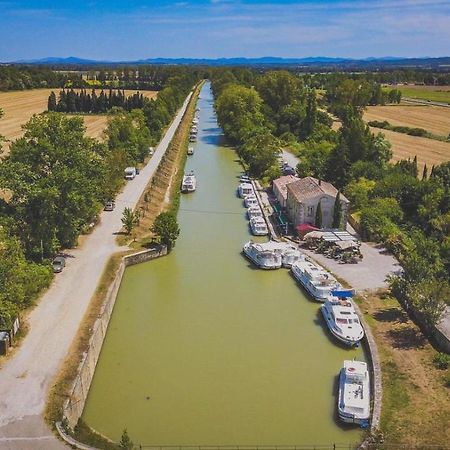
(303, 197)
(280, 190)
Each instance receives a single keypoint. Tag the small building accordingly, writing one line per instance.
(280, 190)
(303, 198)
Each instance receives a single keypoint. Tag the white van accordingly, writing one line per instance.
(130, 173)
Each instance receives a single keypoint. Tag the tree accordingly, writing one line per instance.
(425, 172)
(125, 442)
(55, 175)
(239, 112)
(427, 297)
(337, 211)
(52, 104)
(167, 229)
(260, 152)
(311, 115)
(129, 219)
(318, 219)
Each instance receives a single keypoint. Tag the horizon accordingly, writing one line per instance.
(216, 29)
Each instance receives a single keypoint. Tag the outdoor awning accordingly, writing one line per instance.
(346, 244)
(305, 228)
(314, 235)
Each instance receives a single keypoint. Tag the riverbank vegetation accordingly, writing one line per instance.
(55, 181)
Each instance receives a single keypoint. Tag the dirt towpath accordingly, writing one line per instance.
(26, 378)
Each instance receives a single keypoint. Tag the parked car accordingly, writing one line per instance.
(130, 173)
(109, 206)
(58, 264)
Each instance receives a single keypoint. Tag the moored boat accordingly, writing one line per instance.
(258, 226)
(354, 393)
(341, 318)
(254, 211)
(245, 189)
(189, 183)
(190, 150)
(250, 200)
(318, 282)
(262, 255)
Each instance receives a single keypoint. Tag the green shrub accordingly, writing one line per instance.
(442, 361)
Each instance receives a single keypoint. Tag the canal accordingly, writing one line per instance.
(203, 349)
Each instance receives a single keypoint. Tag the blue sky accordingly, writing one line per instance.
(136, 29)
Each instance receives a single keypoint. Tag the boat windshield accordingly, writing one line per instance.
(339, 320)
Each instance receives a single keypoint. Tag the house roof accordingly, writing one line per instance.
(310, 187)
(281, 183)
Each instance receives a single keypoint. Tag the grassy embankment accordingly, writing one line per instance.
(416, 394)
(170, 169)
(163, 191)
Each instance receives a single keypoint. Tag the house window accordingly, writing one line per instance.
(310, 211)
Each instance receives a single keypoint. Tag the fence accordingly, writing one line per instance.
(74, 405)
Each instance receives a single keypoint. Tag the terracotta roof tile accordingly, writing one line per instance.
(309, 187)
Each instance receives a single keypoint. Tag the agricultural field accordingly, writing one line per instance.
(428, 151)
(434, 119)
(433, 93)
(19, 106)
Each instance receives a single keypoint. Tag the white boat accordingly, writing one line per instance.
(283, 252)
(195, 120)
(317, 281)
(189, 183)
(193, 138)
(244, 179)
(250, 200)
(190, 150)
(258, 226)
(254, 211)
(194, 130)
(245, 189)
(262, 255)
(291, 255)
(342, 320)
(354, 393)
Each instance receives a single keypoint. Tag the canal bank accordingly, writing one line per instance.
(202, 349)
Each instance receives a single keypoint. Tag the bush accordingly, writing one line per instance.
(441, 361)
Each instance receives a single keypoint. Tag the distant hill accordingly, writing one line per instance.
(319, 61)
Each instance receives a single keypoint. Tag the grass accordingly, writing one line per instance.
(432, 93)
(416, 406)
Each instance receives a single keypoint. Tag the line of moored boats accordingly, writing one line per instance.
(257, 222)
(339, 314)
(189, 182)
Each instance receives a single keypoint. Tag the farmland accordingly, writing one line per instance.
(431, 118)
(19, 106)
(433, 93)
(428, 151)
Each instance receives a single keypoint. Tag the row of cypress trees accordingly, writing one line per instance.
(81, 101)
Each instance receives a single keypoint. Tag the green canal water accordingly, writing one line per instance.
(203, 349)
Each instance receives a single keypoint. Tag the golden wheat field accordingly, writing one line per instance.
(435, 119)
(428, 151)
(19, 106)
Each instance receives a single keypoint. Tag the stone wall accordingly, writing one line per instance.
(74, 405)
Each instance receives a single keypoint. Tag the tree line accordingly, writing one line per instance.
(71, 101)
(408, 212)
(55, 181)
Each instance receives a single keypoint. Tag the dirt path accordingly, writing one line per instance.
(26, 378)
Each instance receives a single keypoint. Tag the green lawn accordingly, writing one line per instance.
(433, 93)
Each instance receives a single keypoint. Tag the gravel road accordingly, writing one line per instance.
(26, 378)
